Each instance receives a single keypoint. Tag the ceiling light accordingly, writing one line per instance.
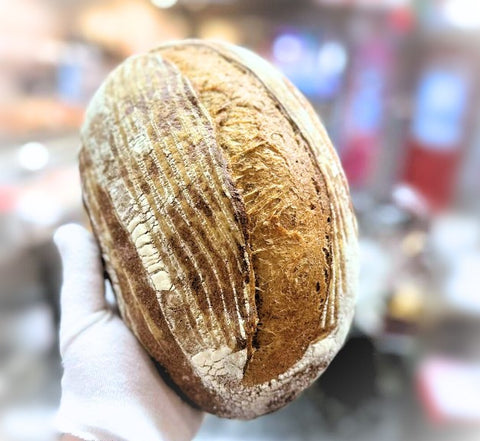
(33, 156)
(462, 13)
(164, 3)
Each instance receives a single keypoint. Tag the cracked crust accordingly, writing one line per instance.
(225, 223)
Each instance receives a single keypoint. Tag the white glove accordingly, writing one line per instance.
(110, 388)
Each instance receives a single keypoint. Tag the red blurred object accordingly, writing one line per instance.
(358, 157)
(438, 130)
(8, 196)
(402, 19)
(432, 173)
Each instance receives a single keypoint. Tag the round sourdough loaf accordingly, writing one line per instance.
(225, 223)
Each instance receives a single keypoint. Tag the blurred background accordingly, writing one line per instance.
(397, 84)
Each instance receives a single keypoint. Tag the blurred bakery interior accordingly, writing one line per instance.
(396, 83)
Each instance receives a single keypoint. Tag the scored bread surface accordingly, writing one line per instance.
(225, 223)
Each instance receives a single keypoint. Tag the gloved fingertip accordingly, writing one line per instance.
(83, 281)
(69, 235)
(68, 230)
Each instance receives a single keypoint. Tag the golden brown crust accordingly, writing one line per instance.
(224, 221)
(286, 204)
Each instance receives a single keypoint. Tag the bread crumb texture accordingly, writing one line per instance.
(225, 223)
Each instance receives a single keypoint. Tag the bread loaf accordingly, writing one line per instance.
(225, 223)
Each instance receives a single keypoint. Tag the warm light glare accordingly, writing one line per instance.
(129, 26)
(463, 13)
(219, 29)
(33, 156)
